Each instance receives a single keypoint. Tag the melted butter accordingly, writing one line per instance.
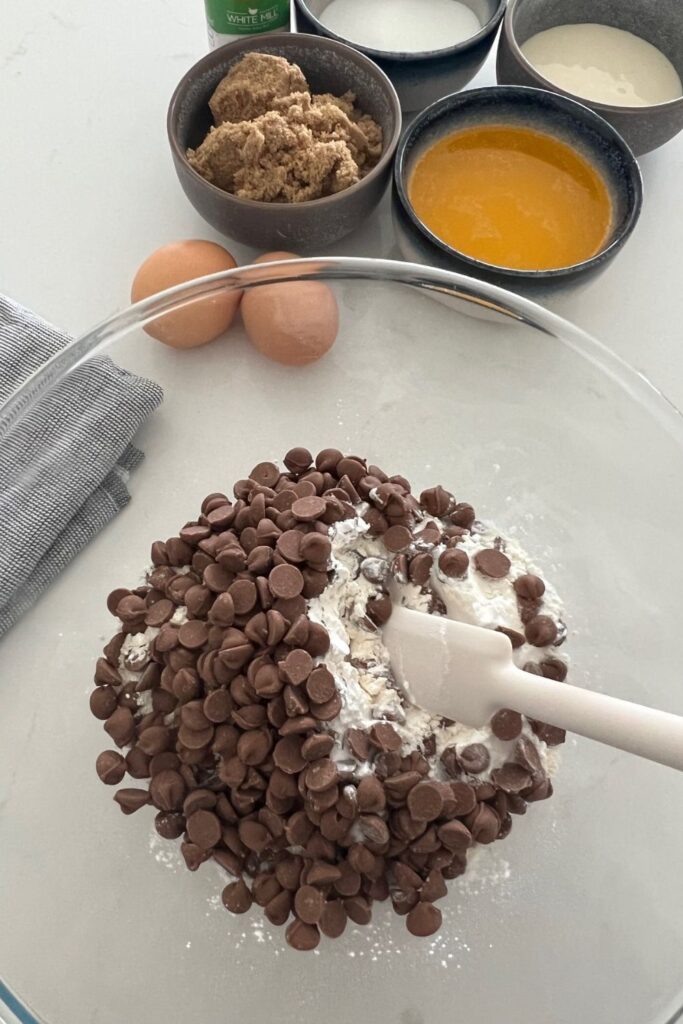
(512, 197)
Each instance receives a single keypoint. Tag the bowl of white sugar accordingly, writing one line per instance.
(428, 48)
(622, 58)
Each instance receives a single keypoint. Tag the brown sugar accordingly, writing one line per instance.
(275, 142)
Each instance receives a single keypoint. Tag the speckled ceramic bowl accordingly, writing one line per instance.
(420, 78)
(329, 66)
(563, 118)
(660, 22)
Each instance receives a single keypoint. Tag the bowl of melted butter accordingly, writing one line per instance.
(520, 186)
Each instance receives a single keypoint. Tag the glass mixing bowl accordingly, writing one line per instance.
(578, 915)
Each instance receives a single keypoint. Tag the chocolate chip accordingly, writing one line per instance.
(105, 673)
(419, 569)
(463, 798)
(450, 762)
(474, 758)
(309, 508)
(314, 583)
(553, 668)
(515, 638)
(463, 515)
(506, 724)
(193, 634)
(296, 667)
(453, 562)
(236, 897)
(308, 904)
(399, 785)
(217, 706)
(289, 545)
(434, 887)
(484, 824)
(437, 501)
(425, 801)
(286, 582)
(204, 829)
(529, 587)
(278, 909)
(541, 631)
(193, 856)
(302, 936)
(455, 836)
(379, 609)
(137, 763)
(512, 778)
(329, 710)
(222, 611)
(384, 737)
(253, 746)
(358, 909)
(131, 609)
(131, 800)
(167, 791)
(265, 473)
(526, 754)
(114, 599)
(320, 685)
(110, 767)
(424, 919)
(199, 800)
(155, 740)
(297, 460)
(316, 548)
(550, 734)
(120, 726)
(217, 579)
(159, 613)
(287, 755)
(318, 640)
(492, 563)
(397, 538)
(103, 702)
(333, 919)
(358, 743)
(321, 775)
(370, 795)
(327, 460)
(243, 594)
(255, 836)
(169, 825)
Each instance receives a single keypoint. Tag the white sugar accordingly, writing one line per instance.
(401, 26)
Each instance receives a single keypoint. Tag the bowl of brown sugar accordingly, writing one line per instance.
(288, 142)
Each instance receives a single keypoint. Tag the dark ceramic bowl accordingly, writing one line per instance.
(420, 78)
(659, 22)
(566, 120)
(329, 66)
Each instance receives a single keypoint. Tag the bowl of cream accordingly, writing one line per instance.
(428, 48)
(622, 58)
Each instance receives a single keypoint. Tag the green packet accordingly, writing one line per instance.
(228, 20)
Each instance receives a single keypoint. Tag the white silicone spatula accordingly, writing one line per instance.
(467, 673)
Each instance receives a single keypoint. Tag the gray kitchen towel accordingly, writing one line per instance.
(64, 466)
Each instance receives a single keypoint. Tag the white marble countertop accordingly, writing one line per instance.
(88, 188)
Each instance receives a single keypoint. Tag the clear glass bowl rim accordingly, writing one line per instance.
(479, 293)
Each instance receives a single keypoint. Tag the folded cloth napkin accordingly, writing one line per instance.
(64, 466)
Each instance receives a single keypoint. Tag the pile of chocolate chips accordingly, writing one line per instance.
(234, 749)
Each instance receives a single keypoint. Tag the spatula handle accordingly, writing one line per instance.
(656, 735)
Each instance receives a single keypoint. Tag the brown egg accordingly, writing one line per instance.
(172, 264)
(292, 323)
